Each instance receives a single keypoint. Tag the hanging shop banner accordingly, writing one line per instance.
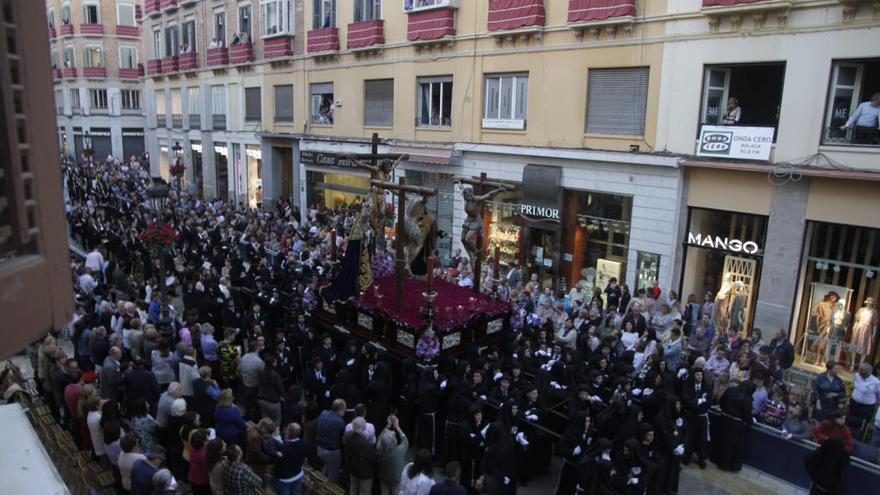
(744, 143)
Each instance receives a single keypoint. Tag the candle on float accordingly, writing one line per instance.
(333, 245)
(430, 279)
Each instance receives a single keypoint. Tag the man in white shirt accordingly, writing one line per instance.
(865, 395)
(95, 260)
(86, 282)
(866, 120)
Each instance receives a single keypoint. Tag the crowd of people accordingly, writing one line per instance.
(226, 386)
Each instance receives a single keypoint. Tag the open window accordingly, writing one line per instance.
(128, 57)
(244, 20)
(743, 94)
(92, 13)
(853, 84)
(411, 5)
(157, 44)
(69, 58)
(322, 103)
(277, 17)
(94, 56)
(50, 15)
(220, 28)
(172, 41)
(65, 13)
(367, 10)
(435, 102)
(189, 35)
(323, 14)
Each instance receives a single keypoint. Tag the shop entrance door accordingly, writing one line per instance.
(542, 255)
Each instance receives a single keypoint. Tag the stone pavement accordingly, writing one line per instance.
(711, 481)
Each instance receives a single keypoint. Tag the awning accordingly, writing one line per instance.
(541, 185)
(434, 156)
(783, 169)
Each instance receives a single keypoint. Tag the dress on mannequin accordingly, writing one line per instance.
(738, 308)
(721, 318)
(864, 327)
(822, 311)
(837, 332)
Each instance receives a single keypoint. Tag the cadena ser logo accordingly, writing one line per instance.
(716, 142)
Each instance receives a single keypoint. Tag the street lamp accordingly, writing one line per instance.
(157, 199)
(178, 167)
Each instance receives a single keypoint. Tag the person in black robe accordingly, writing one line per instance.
(827, 467)
(594, 472)
(429, 410)
(670, 442)
(378, 393)
(629, 429)
(728, 430)
(538, 453)
(628, 478)
(650, 458)
(504, 443)
(407, 407)
(473, 447)
(573, 447)
(696, 398)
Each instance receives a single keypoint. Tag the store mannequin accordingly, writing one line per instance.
(738, 307)
(864, 331)
(822, 312)
(837, 332)
(721, 318)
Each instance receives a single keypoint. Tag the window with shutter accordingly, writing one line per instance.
(252, 112)
(617, 100)
(379, 102)
(322, 103)
(284, 103)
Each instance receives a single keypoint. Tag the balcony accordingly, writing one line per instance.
(151, 8)
(186, 3)
(168, 5)
(590, 15)
(169, 64)
(323, 41)
(129, 73)
(195, 121)
(154, 67)
(56, 74)
(366, 34)
(52, 33)
(188, 61)
(218, 56)
(241, 53)
(430, 24)
(68, 72)
(505, 15)
(715, 10)
(91, 29)
(66, 30)
(176, 120)
(851, 137)
(131, 31)
(95, 72)
(277, 47)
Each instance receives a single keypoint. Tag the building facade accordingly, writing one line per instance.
(95, 48)
(783, 229)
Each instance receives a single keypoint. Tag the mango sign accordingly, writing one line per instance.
(744, 143)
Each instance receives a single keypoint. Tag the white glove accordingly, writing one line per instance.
(555, 384)
(576, 451)
(506, 480)
(682, 373)
(497, 376)
(483, 397)
(637, 392)
(700, 402)
(704, 395)
(647, 392)
(679, 422)
(632, 481)
(443, 385)
(595, 398)
(349, 362)
(532, 417)
(679, 451)
(521, 438)
(473, 435)
(327, 394)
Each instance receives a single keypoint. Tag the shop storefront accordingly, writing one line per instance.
(254, 176)
(221, 165)
(836, 316)
(440, 206)
(102, 142)
(723, 251)
(333, 180)
(198, 180)
(132, 142)
(78, 145)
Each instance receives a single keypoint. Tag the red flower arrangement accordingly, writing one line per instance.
(158, 237)
(178, 169)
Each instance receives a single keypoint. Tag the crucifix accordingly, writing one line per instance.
(380, 167)
(474, 205)
(399, 258)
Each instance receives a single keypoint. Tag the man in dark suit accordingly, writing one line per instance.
(783, 349)
(450, 486)
(290, 457)
(360, 458)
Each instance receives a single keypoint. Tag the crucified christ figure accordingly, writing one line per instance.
(472, 229)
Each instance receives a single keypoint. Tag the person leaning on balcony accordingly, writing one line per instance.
(866, 120)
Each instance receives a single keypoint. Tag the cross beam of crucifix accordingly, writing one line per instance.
(401, 188)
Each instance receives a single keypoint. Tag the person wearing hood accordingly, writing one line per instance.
(573, 445)
(595, 471)
(628, 478)
(431, 388)
(538, 450)
(504, 445)
(474, 446)
(696, 399)
(670, 441)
